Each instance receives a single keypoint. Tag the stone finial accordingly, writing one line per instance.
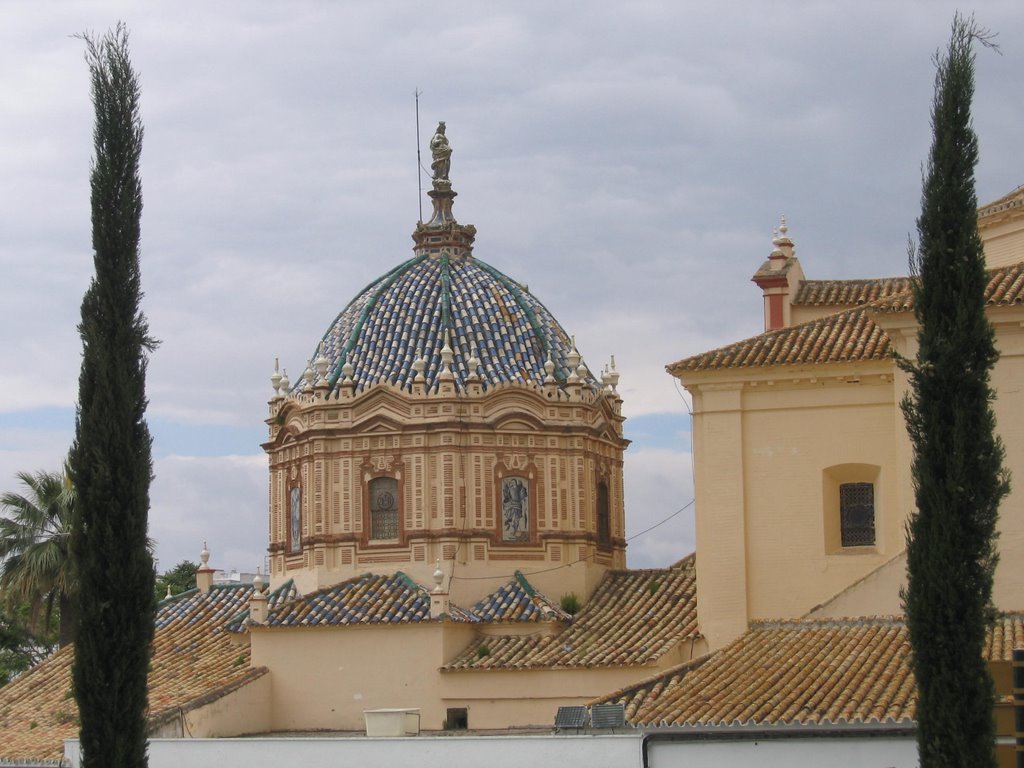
(549, 369)
(258, 603)
(419, 365)
(320, 364)
(780, 239)
(439, 598)
(275, 379)
(606, 381)
(286, 383)
(438, 577)
(446, 361)
(582, 371)
(168, 595)
(307, 377)
(473, 363)
(204, 574)
(613, 377)
(573, 359)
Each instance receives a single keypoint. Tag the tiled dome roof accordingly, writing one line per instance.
(495, 330)
(403, 316)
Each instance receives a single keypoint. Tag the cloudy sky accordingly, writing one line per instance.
(628, 161)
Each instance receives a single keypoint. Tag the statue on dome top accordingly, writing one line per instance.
(442, 153)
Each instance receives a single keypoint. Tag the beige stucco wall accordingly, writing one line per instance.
(771, 446)
(244, 710)
(765, 450)
(324, 677)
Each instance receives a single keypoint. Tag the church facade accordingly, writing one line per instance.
(802, 458)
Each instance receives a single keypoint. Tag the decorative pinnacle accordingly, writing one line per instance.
(275, 379)
(549, 369)
(419, 364)
(438, 577)
(446, 360)
(286, 383)
(473, 363)
(204, 556)
(257, 581)
(321, 364)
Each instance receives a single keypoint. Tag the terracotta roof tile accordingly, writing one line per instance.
(843, 337)
(846, 336)
(797, 672)
(848, 293)
(194, 660)
(634, 617)
(366, 599)
(518, 601)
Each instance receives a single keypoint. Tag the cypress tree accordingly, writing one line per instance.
(110, 459)
(957, 469)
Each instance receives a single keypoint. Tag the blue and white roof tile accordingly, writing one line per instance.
(405, 314)
(397, 599)
(518, 601)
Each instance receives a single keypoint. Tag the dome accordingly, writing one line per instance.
(409, 313)
(495, 330)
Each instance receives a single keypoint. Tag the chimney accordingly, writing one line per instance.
(439, 602)
(778, 279)
(258, 607)
(204, 573)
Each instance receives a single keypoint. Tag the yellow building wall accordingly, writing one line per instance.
(771, 447)
(325, 677)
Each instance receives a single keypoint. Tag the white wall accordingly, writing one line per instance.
(566, 751)
(847, 752)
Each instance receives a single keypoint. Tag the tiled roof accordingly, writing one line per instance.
(634, 617)
(848, 293)
(796, 672)
(845, 336)
(194, 659)
(366, 599)
(518, 601)
(405, 313)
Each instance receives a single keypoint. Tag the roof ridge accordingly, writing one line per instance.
(832, 622)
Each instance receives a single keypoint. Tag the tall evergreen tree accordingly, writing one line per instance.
(110, 460)
(958, 472)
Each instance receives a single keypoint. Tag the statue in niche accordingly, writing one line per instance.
(515, 510)
(442, 154)
(295, 521)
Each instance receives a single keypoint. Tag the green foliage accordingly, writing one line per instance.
(958, 475)
(20, 649)
(570, 603)
(482, 651)
(180, 578)
(35, 550)
(111, 460)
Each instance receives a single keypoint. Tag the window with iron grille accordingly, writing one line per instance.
(857, 514)
(384, 508)
(604, 521)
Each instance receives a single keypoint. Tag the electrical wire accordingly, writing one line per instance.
(582, 559)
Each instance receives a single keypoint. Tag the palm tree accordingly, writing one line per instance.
(35, 566)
